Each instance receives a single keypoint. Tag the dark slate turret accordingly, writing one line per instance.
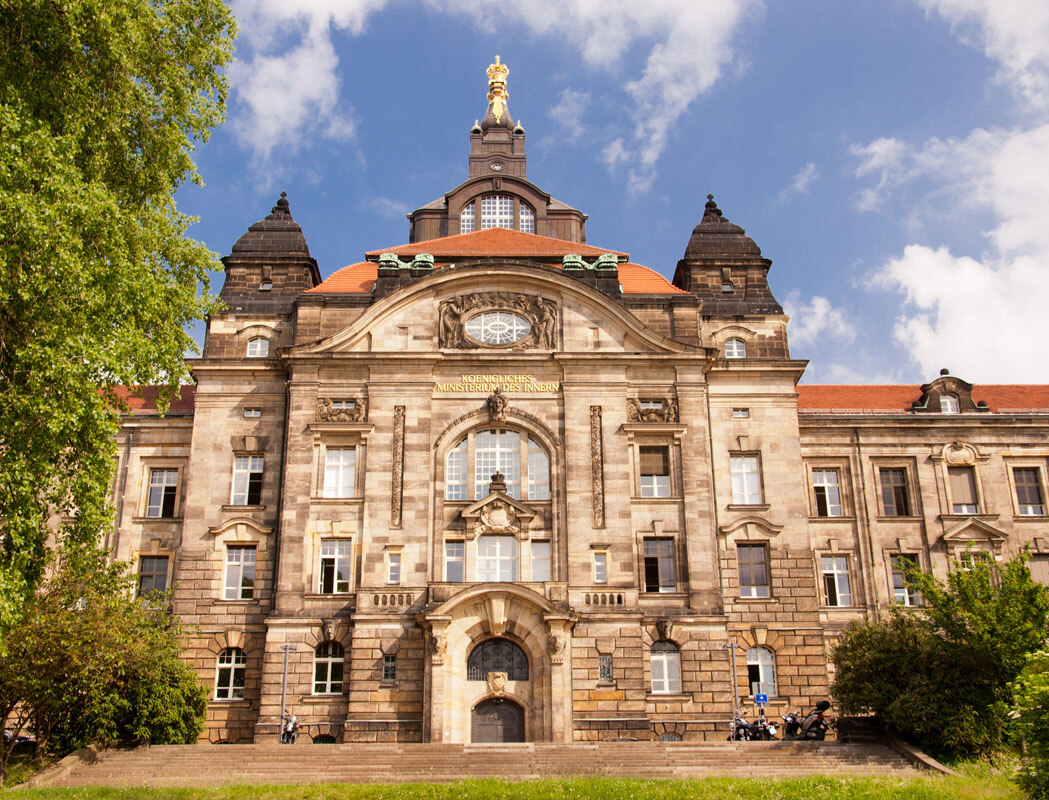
(724, 267)
(270, 265)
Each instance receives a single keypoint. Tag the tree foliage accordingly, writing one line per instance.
(100, 104)
(1031, 710)
(940, 674)
(88, 663)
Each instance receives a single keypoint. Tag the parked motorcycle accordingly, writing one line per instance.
(761, 730)
(811, 727)
(289, 730)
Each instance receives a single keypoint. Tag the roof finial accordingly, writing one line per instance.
(711, 209)
(497, 94)
(282, 206)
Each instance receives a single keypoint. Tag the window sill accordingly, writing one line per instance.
(236, 701)
(331, 501)
(328, 595)
(667, 595)
(388, 685)
(606, 684)
(676, 697)
(885, 518)
(148, 520)
(232, 507)
(748, 506)
(832, 519)
(1030, 517)
(639, 498)
(952, 517)
(842, 608)
(321, 699)
(240, 601)
(755, 600)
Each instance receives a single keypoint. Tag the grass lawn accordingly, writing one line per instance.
(978, 784)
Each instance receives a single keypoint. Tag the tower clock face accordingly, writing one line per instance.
(497, 166)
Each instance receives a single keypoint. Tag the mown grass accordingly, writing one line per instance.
(990, 784)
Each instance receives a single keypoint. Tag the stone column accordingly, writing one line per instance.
(436, 648)
(560, 651)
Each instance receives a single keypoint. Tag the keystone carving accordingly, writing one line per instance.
(497, 683)
(540, 313)
(326, 411)
(497, 405)
(438, 646)
(667, 411)
(556, 646)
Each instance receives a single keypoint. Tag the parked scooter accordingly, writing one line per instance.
(289, 731)
(812, 727)
(761, 730)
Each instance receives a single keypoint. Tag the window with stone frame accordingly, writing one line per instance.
(903, 592)
(336, 562)
(498, 654)
(949, 404)
(389, 668)
(761, 671)
(1030, 500)
(229, 674)
(962, 485)
(753, 565)
(837, 589)
(969, 558)
(523, 462)
(455, 561)
(654, 470)
(540, 560)
(163, 493)
(328, 663)
(340, 472)
(735, 348)
(660, 571)
(745, 471)
(393, 566)
(497, 211)
(895, 491)
(152, 575)
(498, 558)
(604, 668)
(240, 572)
(826, 492)
(666, 668)
(600, 566)
(258, 347)
(247, 480)
(1039, 566)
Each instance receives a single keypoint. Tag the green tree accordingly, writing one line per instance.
(100, 104)
(939, 675)
(90, 663)
(1031, 710)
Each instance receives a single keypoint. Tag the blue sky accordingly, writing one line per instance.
(892, 157)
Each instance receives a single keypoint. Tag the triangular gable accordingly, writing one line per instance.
(973, 530)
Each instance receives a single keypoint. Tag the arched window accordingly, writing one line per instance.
(467, 220)
(497, 558)
(666, 668)
(229, 674)
(527, 219)
(259, 347)
(324, 738)
(735, 348)
(497, 655)
(670, 737)
(949, 404)
(485, 452)
(761, 671)
(497, 211)
(327, 668)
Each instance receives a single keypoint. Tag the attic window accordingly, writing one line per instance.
(466, 220)
(258, 347)
(527, 219)
(727, 287)
(735, 348)
(949, 404)
(266, 285)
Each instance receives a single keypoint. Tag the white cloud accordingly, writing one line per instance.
(1015, 33)
(614, 153)
(387, 208)
(801, 182)
(569, 113)
(816, 320)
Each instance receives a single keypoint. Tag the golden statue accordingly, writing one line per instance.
(497, 94)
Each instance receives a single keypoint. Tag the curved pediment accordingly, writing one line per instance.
(751, 526)
(564, 312)
(495, 597)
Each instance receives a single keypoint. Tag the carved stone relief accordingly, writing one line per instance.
(666, 412)
(497, 683)
(437, 644)
(556, 646)
(540, 313)
(597, 460)
(327, 412)
(497, 405)
(398, 466)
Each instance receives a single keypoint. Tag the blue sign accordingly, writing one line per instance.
(761, 699)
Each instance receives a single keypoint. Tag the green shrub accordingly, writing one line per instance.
(1031, 710)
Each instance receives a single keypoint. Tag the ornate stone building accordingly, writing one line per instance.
(500, 484)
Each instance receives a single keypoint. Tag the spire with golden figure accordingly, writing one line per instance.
(498, 114)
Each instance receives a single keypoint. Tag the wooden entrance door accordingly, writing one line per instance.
(498, 720)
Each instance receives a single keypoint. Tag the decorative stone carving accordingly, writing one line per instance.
(499, 517)
(438, 646)
(540, 313)
(597, 461)
(497, 683)
(667, 412)
(497, 405)
(663, 628)
(497, 514)
(398, 467)
(556, 645)
(326, 412)
(328, 626)
(958, 453)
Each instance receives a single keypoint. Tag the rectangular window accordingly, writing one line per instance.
(240, 572)
(659, 565)
(454, 563)
(152, 575)
(746, 480)
(963, 489)
(740, 413)
(600, 567)
(538, 472)
(753, 570)
(247, 481)
(894, 496)
(1039, 566)
(902, 592)
(335, 566)
(497, 558)
(540, 561)
(836, 580)
(340, 470)
(1029, 491)
(827, 491)
(252, 413)
(389, 669)
(970, 558)
(604, 668)
(455, 474)
(655, 471)
(393, 567)
(163, 488)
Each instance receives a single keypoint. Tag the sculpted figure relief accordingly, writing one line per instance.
(497, 405)
(667, 411)
(540, 313)
(327, 412)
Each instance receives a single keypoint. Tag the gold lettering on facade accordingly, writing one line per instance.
(508, 383)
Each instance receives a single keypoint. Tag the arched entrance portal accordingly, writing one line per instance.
(498, 720)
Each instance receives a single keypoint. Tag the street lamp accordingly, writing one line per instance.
(284, 687)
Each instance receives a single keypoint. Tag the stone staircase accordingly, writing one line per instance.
(208, 765)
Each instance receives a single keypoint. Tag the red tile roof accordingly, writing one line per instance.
(888, 399)
(143, 399)
(496, 243)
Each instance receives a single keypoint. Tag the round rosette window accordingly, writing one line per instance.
(498, 327)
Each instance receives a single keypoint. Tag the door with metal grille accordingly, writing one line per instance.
(498, 720)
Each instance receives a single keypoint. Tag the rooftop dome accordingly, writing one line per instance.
(278, 234)
(715, 236)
